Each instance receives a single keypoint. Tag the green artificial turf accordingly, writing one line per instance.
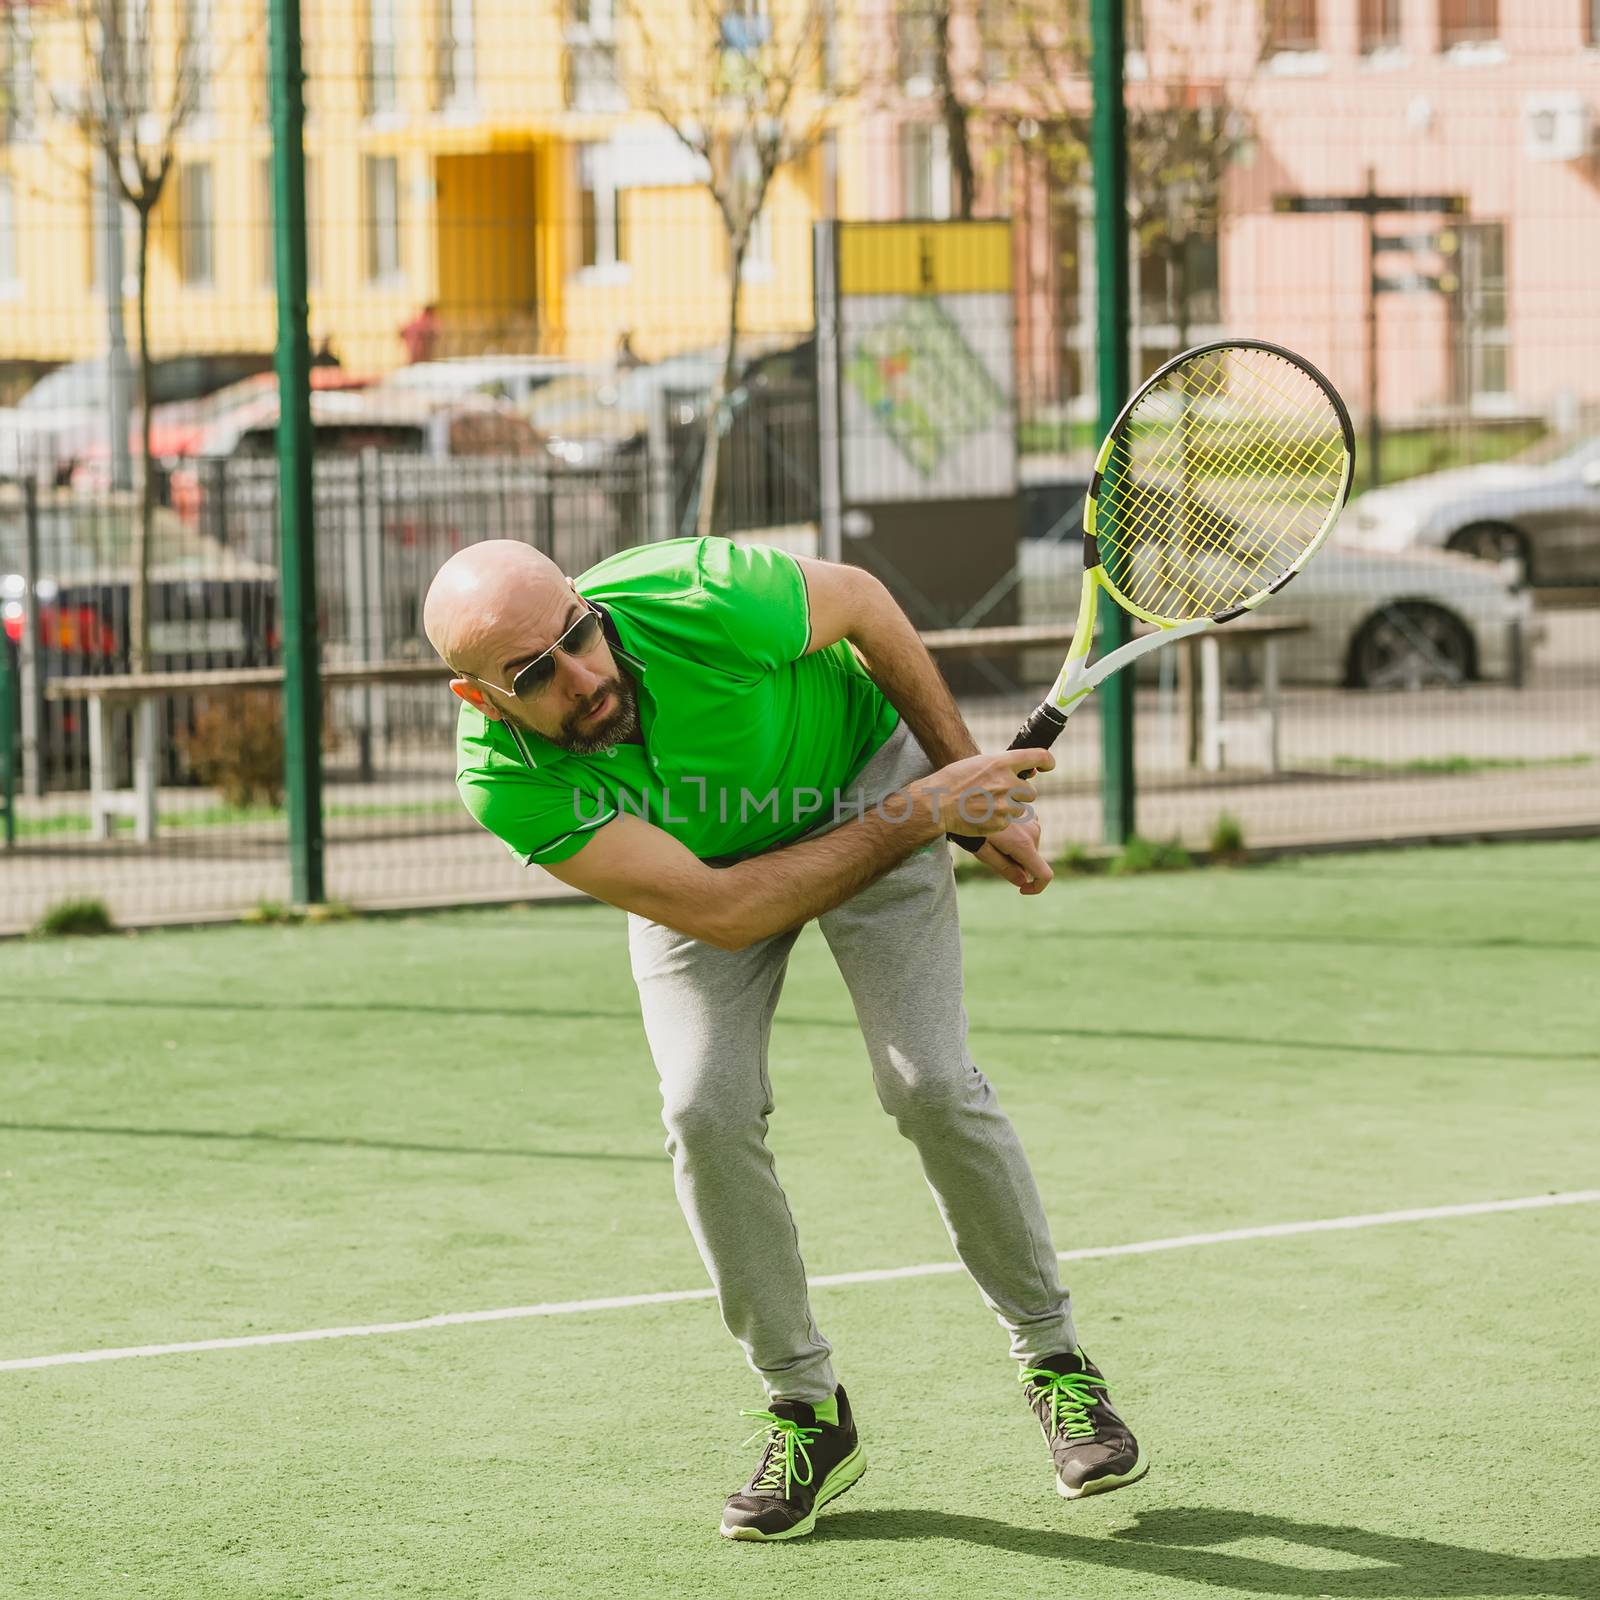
(237, 1131)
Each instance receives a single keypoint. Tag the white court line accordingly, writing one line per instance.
(624, 1302)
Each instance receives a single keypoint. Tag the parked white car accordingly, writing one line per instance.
(1542, 509)
(1378, 620)
(64, 419)
(59, 419)
(513, 378)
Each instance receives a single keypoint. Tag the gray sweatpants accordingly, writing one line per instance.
(708, 1016)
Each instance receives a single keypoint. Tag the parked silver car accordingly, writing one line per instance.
(1378, 619)
(1543, 509)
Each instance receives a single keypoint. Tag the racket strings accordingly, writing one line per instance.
(1176, 551)
(1229, 462)
(1216, 563)
(1281, 454)
(1220, 560)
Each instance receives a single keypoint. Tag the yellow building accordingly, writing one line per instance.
(475, 155)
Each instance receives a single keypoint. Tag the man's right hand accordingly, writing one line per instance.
(980, 794)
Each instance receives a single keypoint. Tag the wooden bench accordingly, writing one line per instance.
(1210, 731)
(140, 692)
(1208, 724)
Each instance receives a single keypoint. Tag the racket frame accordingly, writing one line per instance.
(1077, 680)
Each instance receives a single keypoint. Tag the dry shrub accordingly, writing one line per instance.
(236, 746)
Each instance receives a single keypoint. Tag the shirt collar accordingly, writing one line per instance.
(608, 625)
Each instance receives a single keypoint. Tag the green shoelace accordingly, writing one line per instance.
(1072, 1395)
(780, 1470)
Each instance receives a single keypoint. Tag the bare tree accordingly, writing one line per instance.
(1186, 120)
(955, 108)
(747, 91)
(130, 113)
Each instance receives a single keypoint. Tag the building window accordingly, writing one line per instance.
(1179, 281)
(1468, 22)
(131, 21)
(97, 235)
(16, 76)
(599, 210)
(196, 59)
(1291, 25)
(267, 209)
(593, 83)
(924, 171)
(1380, 25)
(1593, 21)
(381, 214)
(1068, 235)
(380, 81)
(1485, 326)
(744, 174)
(917, 43)
(745, 30)
(196, 225)
(995, 26)
(10, 268)
(458, 53)
(745, 26)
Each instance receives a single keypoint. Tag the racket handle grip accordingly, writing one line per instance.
(1039, 732)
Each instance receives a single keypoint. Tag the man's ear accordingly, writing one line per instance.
(474, 696)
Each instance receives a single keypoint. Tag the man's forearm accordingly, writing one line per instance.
(901, 666)
(785, 888)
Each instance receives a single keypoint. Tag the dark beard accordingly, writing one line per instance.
(621, 726)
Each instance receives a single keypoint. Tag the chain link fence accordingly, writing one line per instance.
(523, 229)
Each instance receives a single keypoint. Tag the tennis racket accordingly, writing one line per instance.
(1219, 480)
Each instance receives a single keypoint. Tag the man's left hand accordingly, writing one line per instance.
(1013, 854)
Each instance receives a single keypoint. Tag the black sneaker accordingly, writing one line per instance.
(805, 1464)
(1093, 1448)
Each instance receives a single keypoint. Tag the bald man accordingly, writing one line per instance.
(728, 742)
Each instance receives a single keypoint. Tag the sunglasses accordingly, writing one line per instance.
(537, 676)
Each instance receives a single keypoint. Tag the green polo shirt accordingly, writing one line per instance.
(749, 742)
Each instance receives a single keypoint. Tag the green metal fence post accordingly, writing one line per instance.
(1108, 151)
(297, 553)
(8, 764)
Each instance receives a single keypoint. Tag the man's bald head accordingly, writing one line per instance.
(492, 608)
(488, 600)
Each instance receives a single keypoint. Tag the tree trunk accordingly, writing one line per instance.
(139, 598)
(1178, 245)
(725, 384)
(954, 116)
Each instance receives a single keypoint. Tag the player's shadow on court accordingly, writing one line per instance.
(1182, 1545)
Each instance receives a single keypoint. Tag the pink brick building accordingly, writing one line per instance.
(1495, 100)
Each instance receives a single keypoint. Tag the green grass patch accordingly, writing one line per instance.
(1415, 452)
(75, 918)
(1045, 438)
(1078, 861)
(1453, 766)
(226, 816)
(274, 913)
(1225, 847)
(232, 1131)
(1148, 855)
